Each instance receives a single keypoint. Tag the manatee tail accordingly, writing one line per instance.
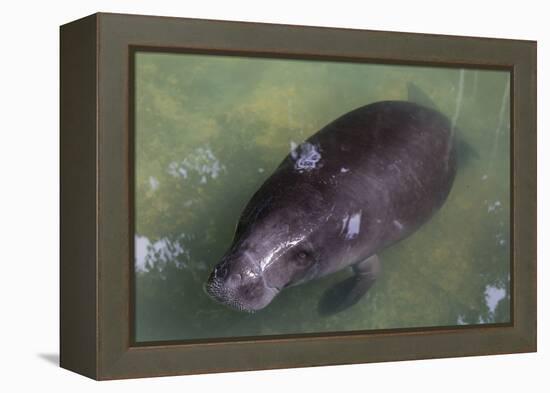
(418, 96)
(465, 151)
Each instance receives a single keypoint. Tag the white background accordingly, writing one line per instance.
(29, 193)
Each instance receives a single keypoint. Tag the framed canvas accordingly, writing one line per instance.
(241, 196)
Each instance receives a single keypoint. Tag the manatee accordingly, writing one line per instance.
(363, 182)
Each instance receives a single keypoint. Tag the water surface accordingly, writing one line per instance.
(210, 129)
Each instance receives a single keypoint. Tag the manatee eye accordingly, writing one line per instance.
(303, 258)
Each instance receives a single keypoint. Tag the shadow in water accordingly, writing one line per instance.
(52, 358)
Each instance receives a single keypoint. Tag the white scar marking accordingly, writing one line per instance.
(398, 224)
(352, 225)
(307, 158)
(344, 170)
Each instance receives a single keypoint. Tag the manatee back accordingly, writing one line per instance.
(396, 159)
(392, 161)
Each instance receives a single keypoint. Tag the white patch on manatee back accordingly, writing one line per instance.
(306, 156)
(351, 225)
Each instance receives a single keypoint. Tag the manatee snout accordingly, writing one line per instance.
(237, 282)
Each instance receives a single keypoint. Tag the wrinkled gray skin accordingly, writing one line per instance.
(363, 182)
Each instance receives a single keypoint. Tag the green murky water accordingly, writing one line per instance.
(211, 129)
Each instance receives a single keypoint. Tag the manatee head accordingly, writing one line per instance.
(268, 257)
(276, 245)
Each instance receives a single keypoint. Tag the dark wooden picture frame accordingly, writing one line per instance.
(97, 187)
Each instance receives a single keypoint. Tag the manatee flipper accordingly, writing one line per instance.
(348, 292)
